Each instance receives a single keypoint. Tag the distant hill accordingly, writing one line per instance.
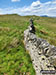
(44, 16)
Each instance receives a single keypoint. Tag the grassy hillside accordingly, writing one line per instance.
(14, 60)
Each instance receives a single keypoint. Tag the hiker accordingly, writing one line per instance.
(32, 28)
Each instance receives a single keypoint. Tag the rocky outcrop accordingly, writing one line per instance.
(42, 53)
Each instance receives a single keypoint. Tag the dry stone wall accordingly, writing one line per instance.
(41, 52)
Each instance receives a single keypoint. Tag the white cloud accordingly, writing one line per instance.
(35, 3)
(15, 0)
(36, 8)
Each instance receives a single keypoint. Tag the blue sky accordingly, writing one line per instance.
(18, 3)
(28, 7)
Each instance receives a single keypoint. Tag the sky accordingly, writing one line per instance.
(28, 7)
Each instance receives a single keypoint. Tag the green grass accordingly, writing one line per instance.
(48, 27)
(14, 60)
